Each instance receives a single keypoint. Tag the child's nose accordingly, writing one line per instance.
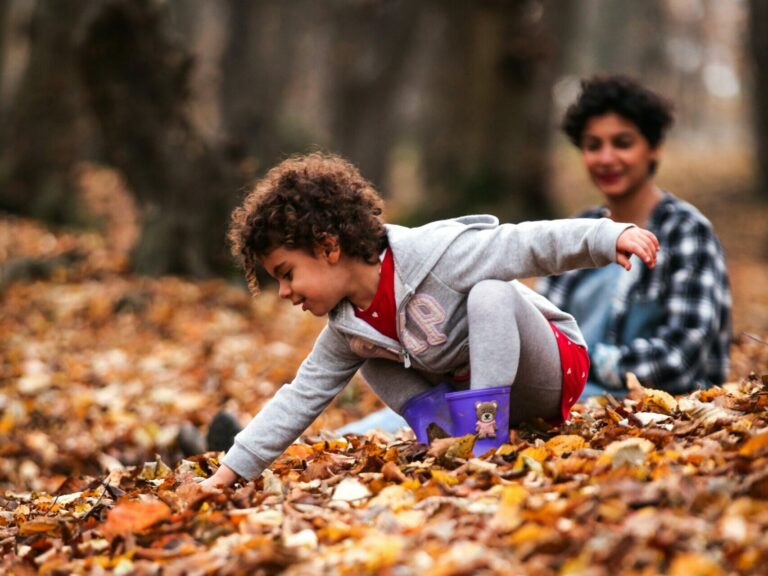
(284, 290)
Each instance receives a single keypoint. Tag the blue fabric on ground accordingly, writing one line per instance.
(592, 389)
(385, 419)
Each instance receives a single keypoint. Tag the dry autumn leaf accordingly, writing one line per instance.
(134, 516)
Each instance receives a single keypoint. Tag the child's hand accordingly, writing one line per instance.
(639, 242)
(223, 477)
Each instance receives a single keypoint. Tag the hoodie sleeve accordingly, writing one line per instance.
(511, 251)
(321, 376)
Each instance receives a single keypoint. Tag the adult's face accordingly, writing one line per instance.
(617, 155)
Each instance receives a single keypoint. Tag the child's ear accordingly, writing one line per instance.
(329, 248)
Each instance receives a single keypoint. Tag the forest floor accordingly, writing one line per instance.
(100, 368)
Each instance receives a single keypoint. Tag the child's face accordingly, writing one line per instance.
(316, 282)
(616, 155)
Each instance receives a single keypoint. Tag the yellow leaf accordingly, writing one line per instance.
(513, 495)
(691, 564)
(381, 551)
(156, 470)
(532, 453)
(444, 477)
(564, 443)
(453, 448)
(508, 515)
(660, 399)
(530, 532)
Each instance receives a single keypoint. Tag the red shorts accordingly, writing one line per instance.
(574, 361)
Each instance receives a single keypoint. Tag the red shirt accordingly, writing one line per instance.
(574, 361)
(381, 313)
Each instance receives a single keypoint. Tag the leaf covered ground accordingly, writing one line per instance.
(99, 369)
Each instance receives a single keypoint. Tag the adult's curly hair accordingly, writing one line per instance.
(650, 112)
(302, 202)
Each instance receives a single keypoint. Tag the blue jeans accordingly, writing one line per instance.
(592, 389)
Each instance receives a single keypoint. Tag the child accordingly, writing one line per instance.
(416, 310)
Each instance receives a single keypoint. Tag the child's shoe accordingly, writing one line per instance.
(429, 407)
(484, 412)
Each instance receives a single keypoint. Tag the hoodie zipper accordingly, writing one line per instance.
(400, 325)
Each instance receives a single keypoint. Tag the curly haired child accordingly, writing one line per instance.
(432, 316)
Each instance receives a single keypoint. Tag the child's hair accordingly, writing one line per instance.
(301, 202)
(650, 112)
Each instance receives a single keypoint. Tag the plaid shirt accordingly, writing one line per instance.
(690, 346)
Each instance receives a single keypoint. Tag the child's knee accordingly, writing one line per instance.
(489, 295)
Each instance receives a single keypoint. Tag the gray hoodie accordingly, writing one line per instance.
(436, 265)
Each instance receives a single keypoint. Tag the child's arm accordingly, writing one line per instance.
(512, 251)
(291, 410)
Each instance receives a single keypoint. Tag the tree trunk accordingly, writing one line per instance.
(368, 80)
(463, 87)
(137, 80)
(46, 129)
(487, 130)
(758, 20)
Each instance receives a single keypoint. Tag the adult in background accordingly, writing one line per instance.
(669, 325)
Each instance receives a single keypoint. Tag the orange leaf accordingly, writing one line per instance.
(299, 451)
(755, 446)
(39, 526)
(134, 516)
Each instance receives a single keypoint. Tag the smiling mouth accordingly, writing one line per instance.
(608, 177)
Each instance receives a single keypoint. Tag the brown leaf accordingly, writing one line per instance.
(392, 472)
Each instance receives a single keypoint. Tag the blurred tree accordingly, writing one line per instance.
(4, 9)
(45, 130)
(136, 75)
(758, 20)
(465, 86)
(487, 120)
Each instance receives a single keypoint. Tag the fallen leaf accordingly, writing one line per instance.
(564, 444)
(444, 477)
(453, 448)
(631, 452)
(350, 490)
(756, 446)
(134, 516)
(660, 399)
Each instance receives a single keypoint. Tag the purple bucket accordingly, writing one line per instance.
(464, 407)
(428, 407)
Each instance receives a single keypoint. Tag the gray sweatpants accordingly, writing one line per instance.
(510, 344)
